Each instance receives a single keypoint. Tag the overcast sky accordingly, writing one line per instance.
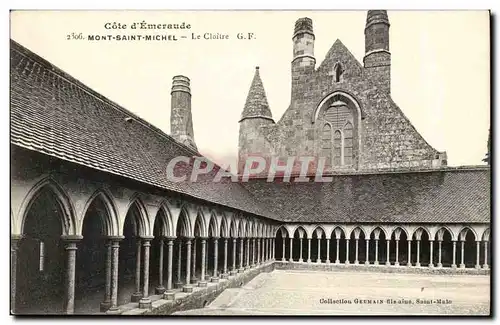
(440, 67)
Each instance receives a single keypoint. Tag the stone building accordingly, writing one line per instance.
(98, 226)
(340, 110)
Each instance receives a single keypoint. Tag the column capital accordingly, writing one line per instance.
(147, 238)
(14, 241)
(71, 238)
(116, 238)
(169, 237)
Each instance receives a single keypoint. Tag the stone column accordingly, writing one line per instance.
(179, 261)
(376, 252)
(107, 287)
(268, 249)
(283, 255)
(319, 250)
(308, 250)
(347, 251)
(439, 254)
(409, 253)
(387, 261)
(291, 249)
(273, 242)
(454, 265)
(253, 252)
(485, 265)
(247, 266)
(169, 293)
(259, 253)
(356, 255)
(115, 250)
(328, 251)
(241, 269)
(145, 301)
(234, 271)
(367, 241)
(397, 253)
(478, 264)
(418, 253)
(225, 274)
(215, 278)
(70, 247)
(462, 265)
(137, 295)
(188, 287)
(203, 282)
(14, 245)
(431, 244)
(300, 257)
(160, 288)
(337, 261)
(193, 267)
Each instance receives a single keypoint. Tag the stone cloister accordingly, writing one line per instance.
(434, 246)
(67, 245)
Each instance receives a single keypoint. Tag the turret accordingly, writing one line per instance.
(181, 120)
(256, 117)
(377, 60)
(303, 61)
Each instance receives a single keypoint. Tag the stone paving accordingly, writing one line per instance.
(285, 292)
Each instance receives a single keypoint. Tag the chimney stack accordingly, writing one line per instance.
(181, 120)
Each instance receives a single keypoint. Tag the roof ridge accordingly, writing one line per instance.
(77, 83)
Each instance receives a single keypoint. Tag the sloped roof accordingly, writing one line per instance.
(55, 114)
(441, 196)
(256, 104)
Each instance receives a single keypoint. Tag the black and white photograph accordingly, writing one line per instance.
(250, 163)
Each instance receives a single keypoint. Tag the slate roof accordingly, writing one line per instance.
(444, 196)
(256, 104)
(55, 114)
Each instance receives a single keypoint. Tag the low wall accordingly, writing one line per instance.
(200, 297)
(382, 268)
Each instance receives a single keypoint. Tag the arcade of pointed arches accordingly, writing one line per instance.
(107, 246)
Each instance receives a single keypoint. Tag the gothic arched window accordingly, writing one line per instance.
(337, 72)
(337, 148)
(348, 144)
(339, 119)
(326, 141)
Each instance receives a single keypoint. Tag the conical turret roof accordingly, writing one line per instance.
(256, 104)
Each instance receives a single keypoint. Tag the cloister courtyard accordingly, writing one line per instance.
(301, 292)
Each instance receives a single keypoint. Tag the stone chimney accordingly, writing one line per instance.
(181, 120)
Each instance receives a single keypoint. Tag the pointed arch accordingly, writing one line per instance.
(298, 230)
(486, 235)
(282, 231)
(423, 229)
(213, 226)
(224, 227)
(141, 218)
(63, 200)
(403, 229)
(445, 228)
(348, 143)
(315, 230)
(242, 228)
(382, 230)
(168, 225)
(342, 229)
(234, 228)
(183, 227)
(338, 70)
(110, 219)
(463, 232)
(361, 230)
